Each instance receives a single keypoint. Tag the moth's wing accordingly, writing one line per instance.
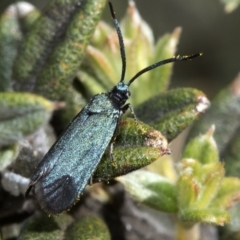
(53, 155)
(66, 169)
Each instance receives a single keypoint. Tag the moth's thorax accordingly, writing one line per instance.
(119, 94)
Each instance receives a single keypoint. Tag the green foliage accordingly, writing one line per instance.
(45, 58)
(227, 100)
(88, 228)
(105, 63)
(152, 189)
(21, 114)
(201, 190)
(44, 227)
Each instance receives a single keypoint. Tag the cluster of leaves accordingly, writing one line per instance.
(41, 54)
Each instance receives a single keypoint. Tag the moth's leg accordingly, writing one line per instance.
(129, 106)
(90, 181)
(123, 110)
(111, 148)
(114, 137)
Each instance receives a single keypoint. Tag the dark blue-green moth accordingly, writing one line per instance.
(65, 170)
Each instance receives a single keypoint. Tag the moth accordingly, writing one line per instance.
(65, 170)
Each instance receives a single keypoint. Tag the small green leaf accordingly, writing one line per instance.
(125, 160)
(173, 111)
(187, 191)
(190, 166)
(132, 24)
(102, 67)
(100, 35)
(210, 215)
(14, 104)
(198, 184)
(175, 122)
(139, 42)
(39, 42)
(22, 114)
(40, 227)
(136, 145)
(228, 193)
(152, 190)
(166, 47)
(210, 186)
(64, 61)
(10, 36)
(88, 228)
(203, 148)
(176, 99)
(91, 86)
(133, 132)
(141, 49)
(61, 52)
(227, 101)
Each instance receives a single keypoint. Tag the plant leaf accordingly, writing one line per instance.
(203, 148)
(163, 104)
(152, 190)
(210, 215)
(10, 36)
(165, 48)
(173, 111)
(63, 63)
(227, 101)
(88, 228)
(136, 145)
(22, 114)
(228, 193)
(42, 227)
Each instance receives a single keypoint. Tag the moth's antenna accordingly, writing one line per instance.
(155, 65)
(120, 39)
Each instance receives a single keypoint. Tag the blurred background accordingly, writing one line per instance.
(206, 28)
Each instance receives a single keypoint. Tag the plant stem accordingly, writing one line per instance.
(187, 231)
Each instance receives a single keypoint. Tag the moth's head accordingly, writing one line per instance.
(120, 93)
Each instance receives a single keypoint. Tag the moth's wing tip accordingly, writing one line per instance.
(56, 196)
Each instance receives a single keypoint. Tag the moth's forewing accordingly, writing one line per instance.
(65, 170)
